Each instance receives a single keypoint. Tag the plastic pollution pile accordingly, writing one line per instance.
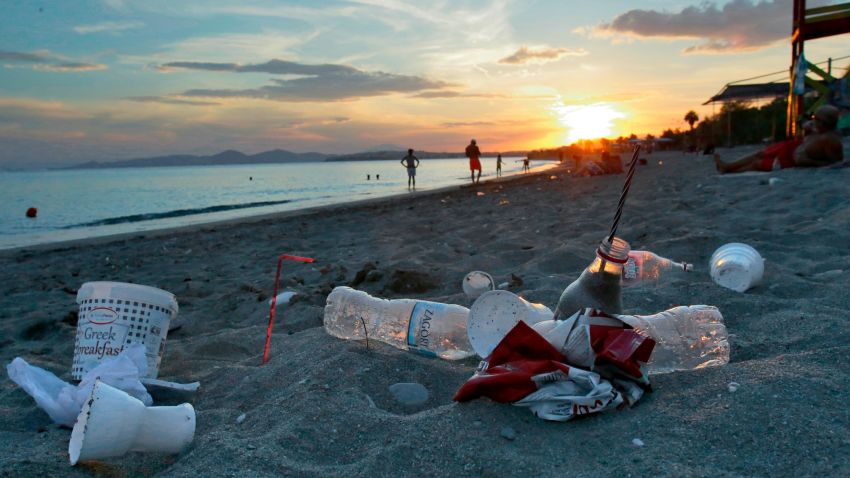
(115, 356)
(586, 357)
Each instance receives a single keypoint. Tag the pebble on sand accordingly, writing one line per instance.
(410, 394)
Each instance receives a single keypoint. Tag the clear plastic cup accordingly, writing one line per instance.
(736, 266)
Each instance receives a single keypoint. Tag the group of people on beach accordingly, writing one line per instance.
(820, 146)
(411, 162)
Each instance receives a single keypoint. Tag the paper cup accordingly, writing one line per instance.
(495, 313)
(476, 283)
(112, 423)
(114, 315)
(736, 266)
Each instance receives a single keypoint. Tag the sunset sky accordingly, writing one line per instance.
(114, 79)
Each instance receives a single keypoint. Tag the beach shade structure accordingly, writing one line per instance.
(113, 423)
(812, 24)
(280, 259)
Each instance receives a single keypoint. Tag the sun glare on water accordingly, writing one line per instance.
(586, 121)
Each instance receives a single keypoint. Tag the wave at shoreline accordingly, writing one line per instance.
(176, 213)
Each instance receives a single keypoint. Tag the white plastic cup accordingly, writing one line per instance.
(495, 313)
(114, 315)
(736, 266)
(476, 283)
(112, 423)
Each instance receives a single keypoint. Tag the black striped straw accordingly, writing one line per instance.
(623, 195)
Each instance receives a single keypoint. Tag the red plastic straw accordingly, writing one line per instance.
(280, 259)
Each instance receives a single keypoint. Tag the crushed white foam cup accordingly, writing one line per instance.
(476, 283)
(495, 313)
(114, 315)
(113, 423)
(736, 266)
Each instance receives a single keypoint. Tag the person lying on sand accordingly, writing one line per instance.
(821, 147)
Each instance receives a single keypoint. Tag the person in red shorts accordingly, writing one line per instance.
(821, 147)
(473, 153)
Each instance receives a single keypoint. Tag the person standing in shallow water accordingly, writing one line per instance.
(411, 162)
(499, 165)
(473, 153)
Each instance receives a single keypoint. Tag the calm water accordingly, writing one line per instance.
(76, 204)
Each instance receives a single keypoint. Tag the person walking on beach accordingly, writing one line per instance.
(499, 165)
(821, 147)
(411, 162)
(473, 153)
(525, 162)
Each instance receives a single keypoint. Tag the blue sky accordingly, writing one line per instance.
(112, 79)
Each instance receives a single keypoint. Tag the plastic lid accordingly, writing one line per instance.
(476, 283)
(494, 314)
(125, 291)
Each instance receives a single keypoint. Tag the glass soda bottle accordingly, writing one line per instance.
(598, 286)
(429, 328)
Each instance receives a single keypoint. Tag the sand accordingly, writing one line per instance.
(322, 406)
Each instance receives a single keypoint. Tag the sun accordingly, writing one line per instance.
(586, 121)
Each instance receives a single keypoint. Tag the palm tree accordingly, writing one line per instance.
(691, 118)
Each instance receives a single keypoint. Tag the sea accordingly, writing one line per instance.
(85, 203)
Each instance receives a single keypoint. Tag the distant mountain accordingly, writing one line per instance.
(225, 157)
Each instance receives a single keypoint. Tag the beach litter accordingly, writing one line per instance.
(736, 266)
(273, 304)
(63, 401)
(116, 315)
(647, 267)
(476, 283)
(283, 298)
(495, 313)
(112, 423)
(527, 371)
(429, 328)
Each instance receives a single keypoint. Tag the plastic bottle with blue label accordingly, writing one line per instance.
(429, 328)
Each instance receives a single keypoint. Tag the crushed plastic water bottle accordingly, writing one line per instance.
(686, 338)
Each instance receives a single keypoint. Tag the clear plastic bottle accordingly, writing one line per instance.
(648, 267)
(598, 286)
(686, 338)
(430, 328)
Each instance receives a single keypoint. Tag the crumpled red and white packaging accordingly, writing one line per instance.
(588, 363)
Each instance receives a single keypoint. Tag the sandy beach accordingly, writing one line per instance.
(321, 406)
